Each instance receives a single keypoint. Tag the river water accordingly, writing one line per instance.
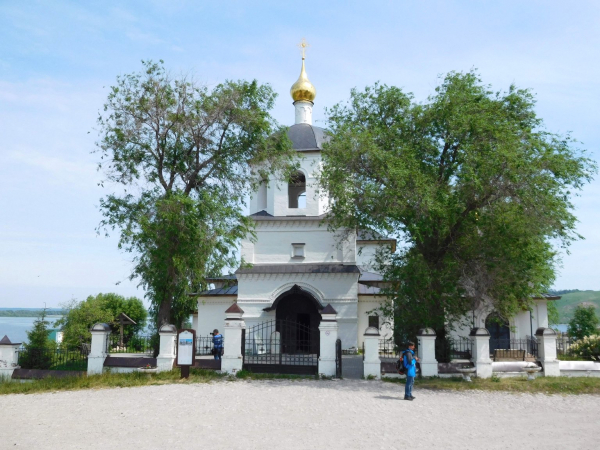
(16, 327)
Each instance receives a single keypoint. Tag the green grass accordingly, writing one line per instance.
(106, 380)
(541, 385)
(567, 304)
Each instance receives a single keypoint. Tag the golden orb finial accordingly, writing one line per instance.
(303, 89)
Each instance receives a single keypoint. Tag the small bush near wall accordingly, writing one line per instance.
(587, 348)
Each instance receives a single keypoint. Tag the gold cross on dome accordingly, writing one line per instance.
(303, 46)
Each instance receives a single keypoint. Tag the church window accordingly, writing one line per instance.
(374, 321)
(262, 195)
(296, 189)
(298, 251)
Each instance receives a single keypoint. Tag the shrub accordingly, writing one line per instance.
(587, 348)
(584, 322)
(39, 351)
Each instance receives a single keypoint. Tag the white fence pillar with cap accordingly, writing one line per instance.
(8, 357)
(100, 333)
(328, 329)
(481, 352)
(167, 348)
(426, 350)
(371, 362)
(546, 338)
(232, 359)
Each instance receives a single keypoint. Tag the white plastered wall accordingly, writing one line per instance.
(211, 313)
(367, 303)
(520, 324)
(274, 239)
(365, 254)
(259, 291)
(276, 190)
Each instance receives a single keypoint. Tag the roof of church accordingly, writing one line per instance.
(307, 137)
(299, 268)
(366, 275)
(363, 289)
(263, 215)
(230, 290)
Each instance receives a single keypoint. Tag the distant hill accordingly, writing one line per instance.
(572, 298)
(29, 312)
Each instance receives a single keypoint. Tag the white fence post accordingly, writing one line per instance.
(481, 352)
(8, 357)
(426, 349)
(167, 349)
(372, 362)
(232, 359)
(546, 338)
(328, 329)
(98, 353)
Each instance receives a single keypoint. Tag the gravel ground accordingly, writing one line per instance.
(349, 414)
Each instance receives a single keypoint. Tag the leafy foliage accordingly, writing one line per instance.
(553, 315)
(471, 185)
(186, 157)
(587, 348)
(102, 308)
(37, 354)
(584, 322)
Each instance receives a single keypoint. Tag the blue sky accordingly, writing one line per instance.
(57, 60)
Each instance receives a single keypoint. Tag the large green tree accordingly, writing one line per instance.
(471, 184)
(183, 154)
(102, 308)
(584, 322)
(39, 350)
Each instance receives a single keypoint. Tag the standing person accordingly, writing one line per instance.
(217, 344)
(410, 364)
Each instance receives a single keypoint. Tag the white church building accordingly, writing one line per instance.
(297, 267)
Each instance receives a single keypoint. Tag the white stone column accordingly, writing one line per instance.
(481, 352)
(426, 350)
(232, 359)
(167, 351)
(546, 338)
(372, 362)
(303, 111)
(8, 358)
(98, 353)
(328, 329)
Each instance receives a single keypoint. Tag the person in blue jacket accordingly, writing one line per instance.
(217, 344)
(410, 364)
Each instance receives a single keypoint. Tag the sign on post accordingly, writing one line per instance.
(186, 351)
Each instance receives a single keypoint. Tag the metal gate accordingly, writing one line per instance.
(281, 346)
(338, 358)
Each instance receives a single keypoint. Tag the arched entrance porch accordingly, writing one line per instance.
(300, 311)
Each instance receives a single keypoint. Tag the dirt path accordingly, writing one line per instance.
(349, 414)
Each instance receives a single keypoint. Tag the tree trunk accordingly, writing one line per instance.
(164, 313)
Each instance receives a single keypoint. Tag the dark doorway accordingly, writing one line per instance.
(299, 306)
(499, 332)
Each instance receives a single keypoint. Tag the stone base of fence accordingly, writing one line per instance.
(8, 358)
(372, 363)
(167, 348)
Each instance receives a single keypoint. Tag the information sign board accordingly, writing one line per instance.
(186, 348)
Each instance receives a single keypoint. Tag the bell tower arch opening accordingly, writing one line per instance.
(297, 191)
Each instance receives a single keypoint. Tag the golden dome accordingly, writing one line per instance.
(302, 89)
